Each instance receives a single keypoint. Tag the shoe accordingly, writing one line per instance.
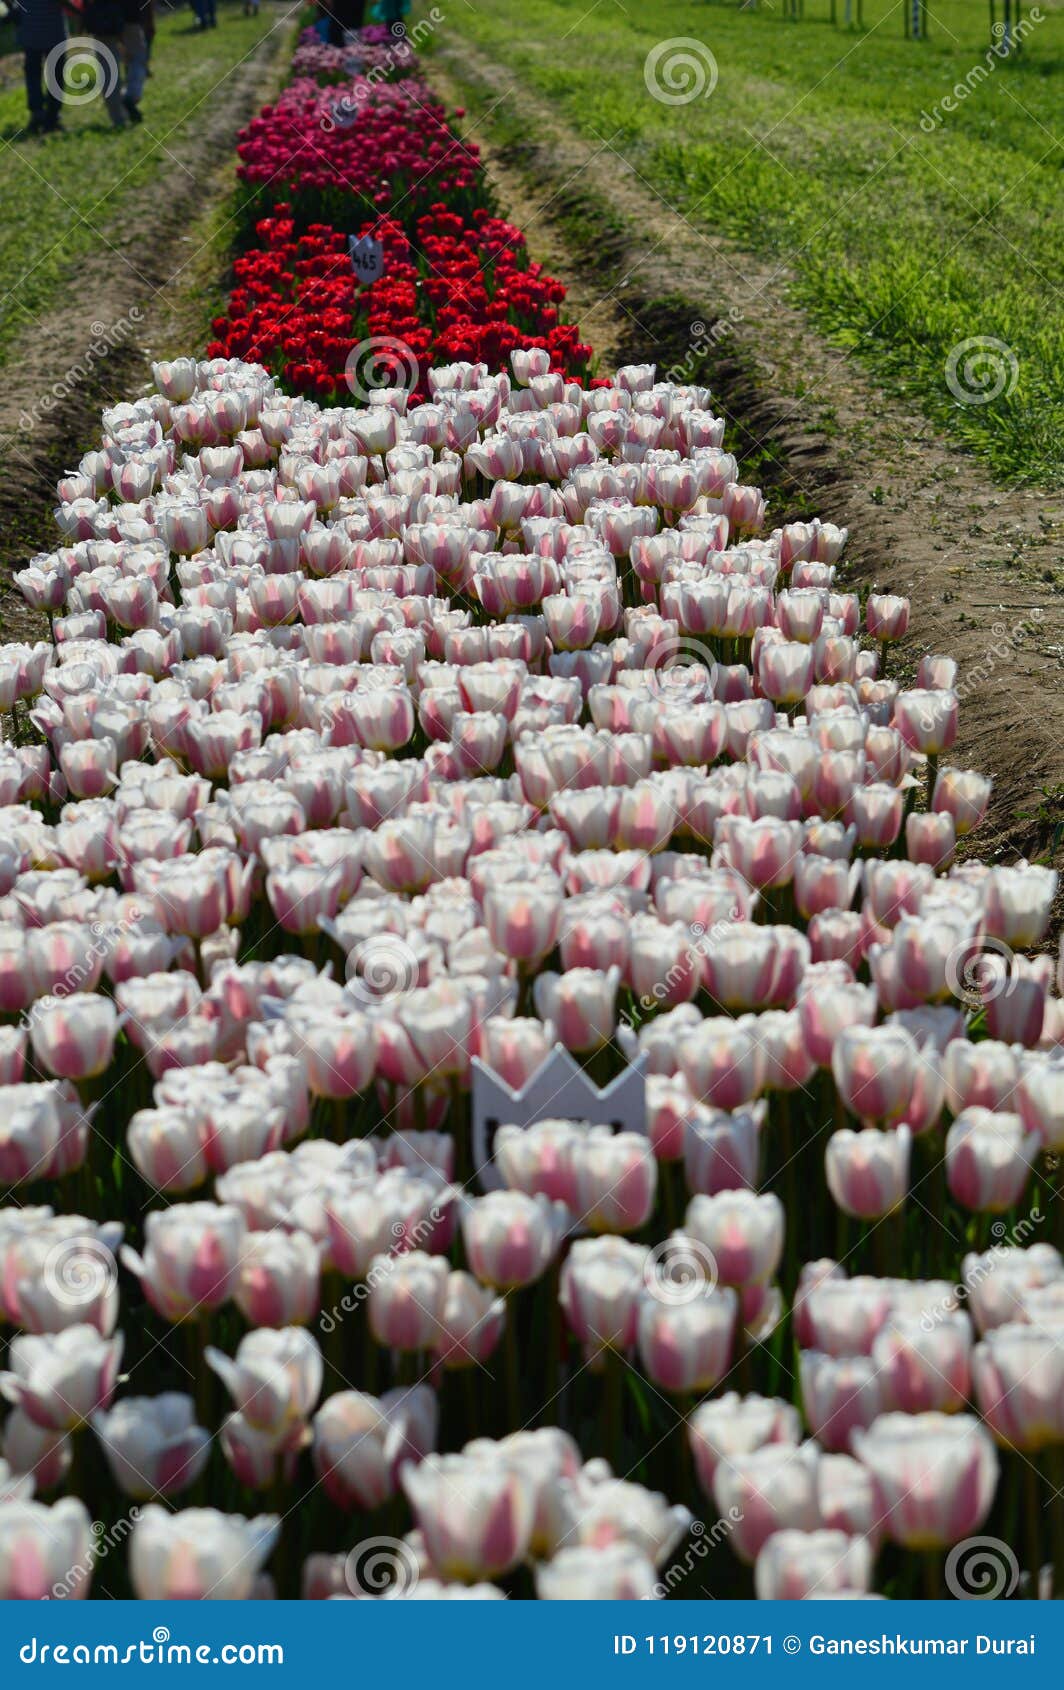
(135, 113)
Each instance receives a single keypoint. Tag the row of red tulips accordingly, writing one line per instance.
(453, 290)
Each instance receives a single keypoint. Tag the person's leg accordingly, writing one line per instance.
(32, 67)
(109, 53)
(53, 80)
(135, 53)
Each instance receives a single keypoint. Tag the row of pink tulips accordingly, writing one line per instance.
(372, 744)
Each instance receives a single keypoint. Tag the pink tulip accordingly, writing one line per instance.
(886, 616)
(601, 1283)
(1018, 1373)
(406, 1300)
(799, 1566)
(278, 1283)
(511, 1238)
(45, 1552)
(73, 1037)
(471, 1323)
(982, 1075)
(152, 1444)
(687, 1345)
(1018, 903)
(581, 1005)
(988, 1159)
(963, 794)
(927, 721)
(935, 1476)
(476, 1514)
(191, 1258)
(732, 1425)
(868, 1172)
(614, 1180)
(921, 1369)
(721, 1151)
(722, 1062)
(847, 1498)
(743, 1231)
(523, 922)
(839, 1396)
(361, 1442)
(875, 1069)
(771, 1489)
(197, 1553)
(60, 1380)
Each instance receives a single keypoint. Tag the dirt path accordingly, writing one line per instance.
(977, 561)
(96, 344)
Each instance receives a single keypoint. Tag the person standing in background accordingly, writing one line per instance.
(134, 55)
(106, 20)
(344, 17)
(149, 32)
(40, 30)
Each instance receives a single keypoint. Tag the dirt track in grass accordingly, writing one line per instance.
(812, 429)
(95, 346)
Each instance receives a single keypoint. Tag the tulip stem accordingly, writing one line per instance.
(512, 1365)
(1055, 1509)
(613, 1384)
(198, 1336)
(368, 1382)
(1032, 1508)
(552, 1404)
(932, 1570)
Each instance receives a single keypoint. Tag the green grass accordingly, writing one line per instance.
(63, 196)
(821, 147)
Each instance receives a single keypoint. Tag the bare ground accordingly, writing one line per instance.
(96, 344)
(814, 429)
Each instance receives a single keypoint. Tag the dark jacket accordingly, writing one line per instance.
(104, 17)
(40, 25)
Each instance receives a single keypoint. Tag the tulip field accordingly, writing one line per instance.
(906, 192)
(515, 1081)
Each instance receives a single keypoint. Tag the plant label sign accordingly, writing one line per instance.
(367, 258)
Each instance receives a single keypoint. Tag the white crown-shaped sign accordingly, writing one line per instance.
(559, 1090)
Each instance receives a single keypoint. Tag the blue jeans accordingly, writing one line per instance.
(135, 54)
